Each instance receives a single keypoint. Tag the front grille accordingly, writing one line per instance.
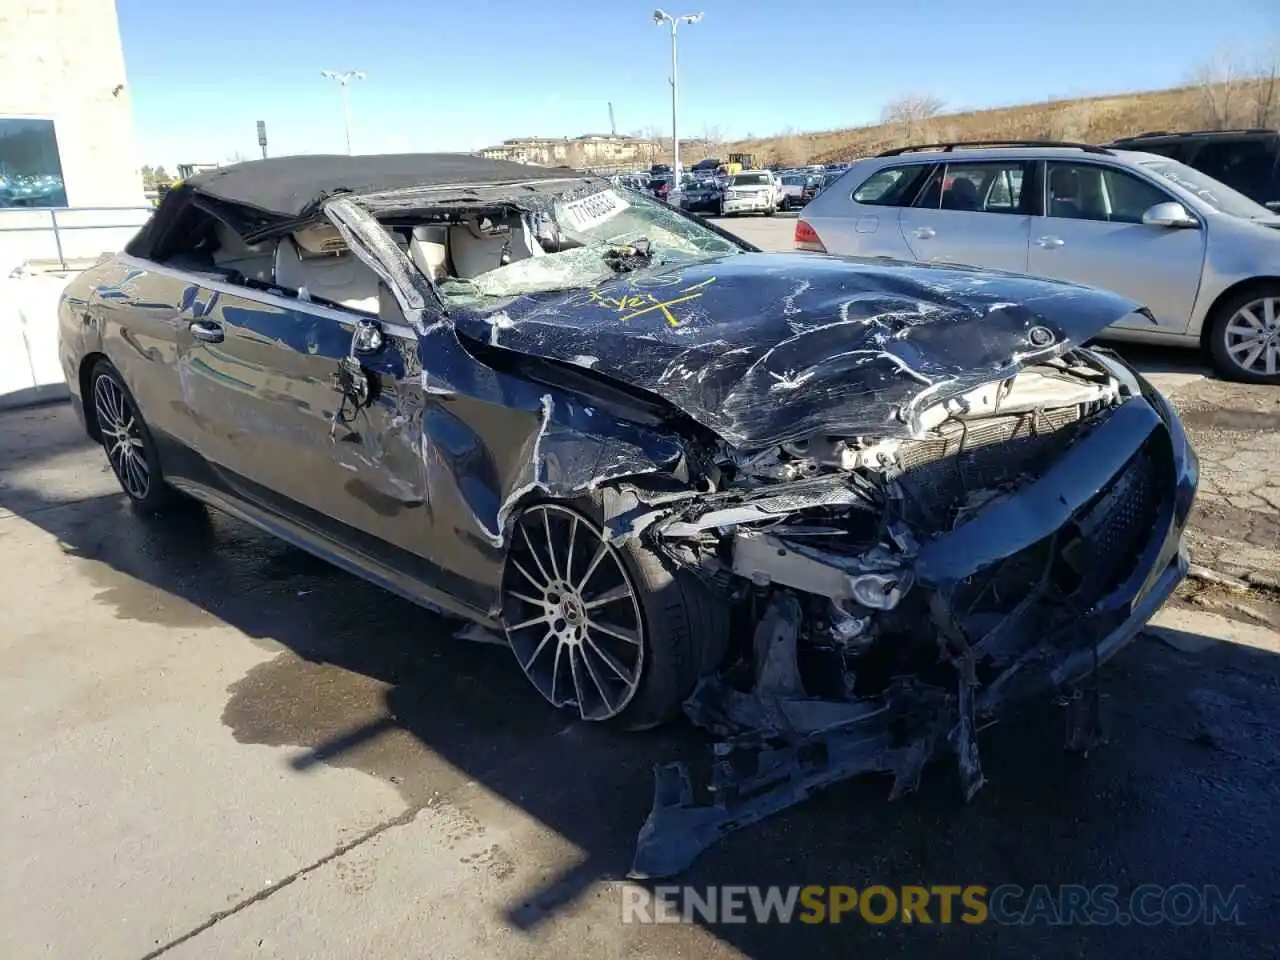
(1118, 523)
(957, 436)
(1082, 562)
(997, 454)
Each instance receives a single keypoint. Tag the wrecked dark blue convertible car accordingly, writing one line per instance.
(842, 512)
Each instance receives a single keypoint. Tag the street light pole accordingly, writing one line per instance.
(344, 78)
(659, 18)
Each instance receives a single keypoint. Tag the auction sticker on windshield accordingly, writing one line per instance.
(594, 210)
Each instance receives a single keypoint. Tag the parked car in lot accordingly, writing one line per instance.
(797, 190)
(631, 181)
(1245, 160)
(1200, 255)
(826, 180)
(754, 191)
(702, 196)
(660, 186)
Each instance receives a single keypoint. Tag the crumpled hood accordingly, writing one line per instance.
(763, 348)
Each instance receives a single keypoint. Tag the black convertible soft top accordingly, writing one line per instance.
(294, 187)
(262, 197)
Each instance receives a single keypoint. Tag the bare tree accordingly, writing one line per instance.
(911, 107)
(1266, 92)
(1223, 81)
(653, 134)
(911, 112)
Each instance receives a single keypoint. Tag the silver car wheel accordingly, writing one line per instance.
(1252, 336)
(571, 613)
(122, 437)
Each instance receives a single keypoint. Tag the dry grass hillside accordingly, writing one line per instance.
(1092, 119)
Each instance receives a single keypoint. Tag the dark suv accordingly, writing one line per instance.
(1247, 160)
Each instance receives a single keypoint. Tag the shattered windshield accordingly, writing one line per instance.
(583, 241)
(1213, 192)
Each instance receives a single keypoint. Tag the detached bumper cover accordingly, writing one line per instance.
(1105, 525)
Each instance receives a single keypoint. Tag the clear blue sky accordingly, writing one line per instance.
(458, 76)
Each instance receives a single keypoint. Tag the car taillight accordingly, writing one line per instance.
(807, 238)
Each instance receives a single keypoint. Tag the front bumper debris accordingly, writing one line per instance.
(1107, 520)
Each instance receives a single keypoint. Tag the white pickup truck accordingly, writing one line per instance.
(752, 191)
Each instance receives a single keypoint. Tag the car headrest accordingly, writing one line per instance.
(319, 238)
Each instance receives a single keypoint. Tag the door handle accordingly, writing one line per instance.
(1051, 242)
(924, 233)
(206, 330)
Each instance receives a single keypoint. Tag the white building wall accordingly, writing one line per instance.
(62, 60)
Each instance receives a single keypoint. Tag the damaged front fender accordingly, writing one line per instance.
(487, 437)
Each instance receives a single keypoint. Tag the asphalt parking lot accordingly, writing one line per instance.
(218, 746)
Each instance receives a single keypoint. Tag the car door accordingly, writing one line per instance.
(973, 213)
(144, 310)
(858, 214)
(1091, 232)
(262, 381)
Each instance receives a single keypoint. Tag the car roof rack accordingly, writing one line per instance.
(948, 147)
(1191, 133)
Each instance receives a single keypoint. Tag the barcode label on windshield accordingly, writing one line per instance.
(594, 210)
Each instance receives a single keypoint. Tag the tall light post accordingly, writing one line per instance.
(659, 18)
(344, 78)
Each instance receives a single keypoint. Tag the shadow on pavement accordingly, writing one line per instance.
(1186, 793)
(1156, 359)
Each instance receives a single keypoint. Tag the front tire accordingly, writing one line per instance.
(129, 445)
(1244, 336)
(608, 629)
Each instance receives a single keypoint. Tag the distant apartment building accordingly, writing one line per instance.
(66, 123)
(604, 150)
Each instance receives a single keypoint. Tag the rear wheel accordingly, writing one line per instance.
(1244, 336)
(130, 448)
(609, 630)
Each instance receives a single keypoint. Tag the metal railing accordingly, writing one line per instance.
(58, 228)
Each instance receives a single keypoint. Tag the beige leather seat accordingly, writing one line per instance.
(474, 253)
(254, 262)
(338, 277)
(429, 251)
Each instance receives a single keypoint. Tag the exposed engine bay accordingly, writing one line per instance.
(841, 521)
(887, 620)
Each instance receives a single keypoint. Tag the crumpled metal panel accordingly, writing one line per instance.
(766, 348)
(482, 440)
